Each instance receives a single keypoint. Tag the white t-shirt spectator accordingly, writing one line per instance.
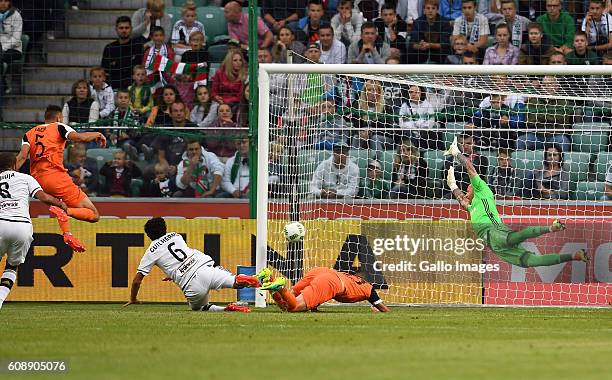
(471, 30)
(336, 54)
(328, 176)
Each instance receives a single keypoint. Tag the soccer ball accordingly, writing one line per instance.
(294, 231)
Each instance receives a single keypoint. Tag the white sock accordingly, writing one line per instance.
(8, 278)
(210, 307)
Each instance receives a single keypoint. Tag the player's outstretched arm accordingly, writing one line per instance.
(22, 156)
(87, 137)
(135, 289)
(457, 193)
(453, 150)
(50, 200)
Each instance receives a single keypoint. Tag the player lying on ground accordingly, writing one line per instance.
(15, 224)
(191, 270)
(44, 144)
(319, 286)
(505, 242)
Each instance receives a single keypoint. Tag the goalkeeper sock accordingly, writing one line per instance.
(517, 237)
(210, 307)
(6, 283)
(82, 213)
(64, 226)
(289, 299)
(276, 296)
(546, 260)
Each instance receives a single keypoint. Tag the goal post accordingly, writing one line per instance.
(391, 123)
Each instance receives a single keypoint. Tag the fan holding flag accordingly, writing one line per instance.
(158, 49)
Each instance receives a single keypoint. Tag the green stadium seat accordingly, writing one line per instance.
(448, 136)
(214, 23)
(308, 160)
(435, 172)
(527, 160)
(578, 165)
(589, 191)
(175, 12)
(136, 187)
(214, 66)
(590, 141)
(361, 157)
(491, 156)
(217, 53)
(386, 161)
(604, 159)
(101, 155)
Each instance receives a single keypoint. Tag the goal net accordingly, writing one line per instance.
(356, 154)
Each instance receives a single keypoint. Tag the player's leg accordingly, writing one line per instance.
(84, 210)
(532, 260)
(9, 276)
(517, 237)
(15, 241)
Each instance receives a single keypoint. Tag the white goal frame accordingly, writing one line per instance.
(364, 69)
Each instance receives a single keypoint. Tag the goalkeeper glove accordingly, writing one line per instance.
(453, 149)
(450, 179)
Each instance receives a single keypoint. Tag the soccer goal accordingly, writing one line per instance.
(356, 154)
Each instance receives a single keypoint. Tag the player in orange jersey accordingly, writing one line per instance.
(44, 144)
(319, 286)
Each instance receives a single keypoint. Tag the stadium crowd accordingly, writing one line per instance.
(170, 74)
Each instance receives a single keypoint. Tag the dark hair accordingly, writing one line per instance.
(469, 54)
(368, 25)
(326, 26)
(289, 29)
(503, 26)
(314, 2)
(192, 141)
(465, 135)
(421, 89)
(387, 5)
(504, 151)
(535, 25)
(157, 29)
(558, 148)
(600, 2)
(581, 33)
(160, 97)
(52, 111)
(123, 19)
(7, 161)
(122, 90)
(155, 228)
(468, 1)
(76, 84)
(342, 2)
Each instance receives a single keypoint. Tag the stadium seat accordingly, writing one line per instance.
(604, 159)
(589, 191)
(214, 23)
(101, 155)
(361, 157)
(578, 165)
(527, 160)
(491, 156)
(435, 172)
(590, 141)
(214, 66)
(308, 160)
(448, 136)
(386, 161)
(136, 187)
(217, 53)
(175, 12)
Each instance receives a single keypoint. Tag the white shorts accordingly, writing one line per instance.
(205, 279)
(15, 240)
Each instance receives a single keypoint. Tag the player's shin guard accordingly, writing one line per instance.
(209, 307)
(289, 299)
(62, 218)
(82, 213)
(6, 283)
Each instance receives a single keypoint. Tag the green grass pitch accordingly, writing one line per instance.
(106, 341)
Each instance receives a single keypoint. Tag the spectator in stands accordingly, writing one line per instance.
(469, 58)
(229, 81)
(481, 163)
(547, 112)
(557, 58)
(417, 116)
(120, 56)
(347, 23)
(459, 44)
(162, 185)
(409, 177)
(141, 97)
(558, 26)
(204, 111)
(608, 186)
(224, 128)
(238, 26)
(368, 113)
(366, 50)
(600, 110)
(235, 182)
(309, 26)
(264, 55)
(472, 25)
(276, 171)
(374, 185)
(450, 9)
(598, 26)
(581, 55)
(119, 174)
(503, 180)
(101, 91)
(430, 37)
(495, 116)
(11, 28)
(518, 24)
(285, 42)
(145, 19)
(82, 169)
(198, 52)
(537, 48)
(491, 9)
(199, 173)
(392, 30)
(160, 113)
(183, 28)
(503, 52)
(332, 50)
(158, 47)
(550, 182)
(336, 177)
(335, 128)
(82, 107)
(123, 114)
(280, 13)
(179, 112)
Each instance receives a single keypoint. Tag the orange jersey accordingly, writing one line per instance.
(47, 143)
(355, 289)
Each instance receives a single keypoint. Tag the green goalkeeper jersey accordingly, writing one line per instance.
(482, 209)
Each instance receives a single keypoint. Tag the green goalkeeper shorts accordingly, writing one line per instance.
(496, 238)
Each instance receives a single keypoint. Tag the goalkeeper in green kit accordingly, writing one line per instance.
(505, 242)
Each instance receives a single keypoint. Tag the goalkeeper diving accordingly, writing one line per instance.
(505, 242)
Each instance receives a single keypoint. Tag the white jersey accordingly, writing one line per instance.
(172, 255)
(16, 189)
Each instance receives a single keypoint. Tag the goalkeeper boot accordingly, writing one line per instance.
(264, 275)
(238, 308)
(582, 255)
(73, 242)
(245, 281)
(453, 149)
(557, 225)
(274, 286)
